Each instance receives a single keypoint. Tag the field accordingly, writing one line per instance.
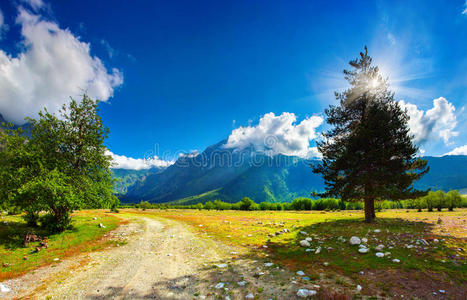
(424, 252)
(200, 254)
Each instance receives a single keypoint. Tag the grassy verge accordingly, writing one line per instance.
(85, 236)
(441, 261)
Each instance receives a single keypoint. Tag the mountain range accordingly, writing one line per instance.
(228, 175)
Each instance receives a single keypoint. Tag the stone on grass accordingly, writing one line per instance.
(268, 264)
(250, 296)
(304, 293)
(221, 266)
(359, 288)
(308, 239)
(355, 240)
(380, 247)
(363, 250)
(300, 273)
(303, 232)
(379, 254)
(326, 264)
(364, 240)
(241, 283)
(220, 285)
(377, 231)
(396, 260)
(4, 288)
(318, 250)
(101, 225)
(304, 243)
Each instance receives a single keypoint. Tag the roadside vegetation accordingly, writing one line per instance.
(19, 256)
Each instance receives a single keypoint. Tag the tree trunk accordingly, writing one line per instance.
(369, 209)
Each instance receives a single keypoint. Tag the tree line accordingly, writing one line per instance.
(433, 200)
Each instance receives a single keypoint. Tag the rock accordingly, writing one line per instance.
(380, 247)
(443, 292)
(304, 293)
(355, 240)
(377, 231)
(268, 264)
(94, 218)
(300, 273)
(359, 288)
(424, 242)
(363, 250)
(221, 266)
(101, 225)
(4, 288)
(364, 240)
(56, 259)
(396, 260)
(308, 250)
(318, 250)
(379, 254)
(241, 283)
(304, 243)
(303, 233)
(250, 296)
(220, 285)
(308, 239)
(326, 264)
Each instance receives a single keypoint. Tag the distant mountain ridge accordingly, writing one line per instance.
(229, 175)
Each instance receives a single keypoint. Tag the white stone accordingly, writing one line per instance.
(396, 260)
(318, 250)
(359, 288)
(221, 266)
(308, 239)
(304, 293)
(380, 247)
(303, 232)
(300, 273)
(364, 240)
(4, 288)
(379, 254)
(268, 264)
(363, 250)
(250, 296)
(304, 243)
(308, 250)
(56, 259)
(355, 240)
(101, 225)
(326, 264)
(377, 230)
(241, 283)
(442, 291)
(220, 285)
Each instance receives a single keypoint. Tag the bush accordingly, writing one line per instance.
(453, 199)
(247, 204)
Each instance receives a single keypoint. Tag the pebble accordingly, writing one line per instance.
(300, 273)
(377, 230)
(220, 285)
(355, 240)
(379, 254)
(318, 250)
(326, 264)
(241, 283)
(304, 293)
(4, 288)
(268, 264)
(221, 266)
(364, 240)
(380, 247)
(304, 243)
(396, 260)
(363, 250)
(250, 296)
(359, 288)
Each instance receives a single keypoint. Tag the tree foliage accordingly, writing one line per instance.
(61, 167)
(368, 154)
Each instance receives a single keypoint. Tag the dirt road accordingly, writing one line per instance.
(162, 259)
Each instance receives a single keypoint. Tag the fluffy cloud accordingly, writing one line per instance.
(437, 122)
(53, 66)
(124, 162)
(462, 150)
(35, 4)
(464, 12)
(278, 135)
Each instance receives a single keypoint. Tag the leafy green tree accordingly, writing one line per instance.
(247, 204)
(440, 199)
(453, 199)
(430, 200)
(61, 167)
(368, 153)
(208, 205)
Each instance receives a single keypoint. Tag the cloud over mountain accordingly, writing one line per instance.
(278, 135)
(437, 122)
(53, 65)
(124, 162)
(462, 150)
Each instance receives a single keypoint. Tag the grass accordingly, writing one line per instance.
(85, 236)
(400, 231)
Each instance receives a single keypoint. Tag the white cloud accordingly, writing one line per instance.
(437, 122)
(278, 135)
(53, 66)
(462, 150)
(464, 12)
(124, 162)
(3, 27)
(35, 4)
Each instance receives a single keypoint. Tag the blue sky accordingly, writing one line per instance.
(177, 76)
